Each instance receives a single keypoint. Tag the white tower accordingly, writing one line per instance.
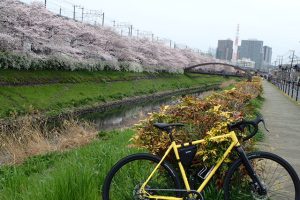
(236, 45)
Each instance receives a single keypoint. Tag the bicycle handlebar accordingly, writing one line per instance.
(241, 125)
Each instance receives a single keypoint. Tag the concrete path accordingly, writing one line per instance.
(282, 116)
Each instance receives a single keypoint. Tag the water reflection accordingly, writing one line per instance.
(128, 115)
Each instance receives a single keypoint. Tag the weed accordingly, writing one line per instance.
(76, 174)
(33, 135)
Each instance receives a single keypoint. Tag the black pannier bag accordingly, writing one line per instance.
(187, 155)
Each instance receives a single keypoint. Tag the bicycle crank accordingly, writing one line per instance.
(193, 195)
(137, 195)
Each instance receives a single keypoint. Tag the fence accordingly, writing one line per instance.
(291, 88)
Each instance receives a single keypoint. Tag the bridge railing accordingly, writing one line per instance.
(195, 69)
(217, 73)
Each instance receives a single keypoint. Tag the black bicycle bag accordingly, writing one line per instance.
(187, 155)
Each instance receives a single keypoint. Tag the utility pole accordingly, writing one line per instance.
(130, 27)
(280, 60)
(171, 44)
(103, 19)
(74, 11)
(293, 58)
(45, 3)
(82, 13)
(291, 65)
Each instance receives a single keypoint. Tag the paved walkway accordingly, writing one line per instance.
(282, 118)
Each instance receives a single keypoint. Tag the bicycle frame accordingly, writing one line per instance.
(174, 147)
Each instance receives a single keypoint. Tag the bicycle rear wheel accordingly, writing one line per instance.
(126, 177)
(276, 174)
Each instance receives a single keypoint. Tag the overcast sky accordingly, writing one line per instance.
(200, 24)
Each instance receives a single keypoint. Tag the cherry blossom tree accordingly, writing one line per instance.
(35, 31)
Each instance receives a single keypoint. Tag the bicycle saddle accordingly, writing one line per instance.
(167, 127)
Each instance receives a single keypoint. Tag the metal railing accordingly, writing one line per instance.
(291, 88)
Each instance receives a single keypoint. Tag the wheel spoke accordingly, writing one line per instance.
(273, 174)
(128, 176)
(284, 194)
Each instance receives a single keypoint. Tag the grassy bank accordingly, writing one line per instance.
(255, 105)
(88, 89)
(74, 175)
(15, 77)
(77, 174)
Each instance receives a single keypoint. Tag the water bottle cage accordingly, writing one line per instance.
(204, 172)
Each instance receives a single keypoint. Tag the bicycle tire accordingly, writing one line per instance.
(237, 184)
(111, 185)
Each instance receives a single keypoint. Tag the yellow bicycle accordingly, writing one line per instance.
(258, 175)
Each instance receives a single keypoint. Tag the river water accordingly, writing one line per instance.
(127, 116)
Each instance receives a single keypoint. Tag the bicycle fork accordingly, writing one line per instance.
(261, 189)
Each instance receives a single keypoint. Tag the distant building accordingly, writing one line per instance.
(253, 50)
(225, 49)
(267, 55)
(212, 51)
(245, 62)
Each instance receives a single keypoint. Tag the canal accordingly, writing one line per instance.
(128, 115)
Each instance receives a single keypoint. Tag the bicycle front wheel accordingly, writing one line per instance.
(127, 176)
(277, 175)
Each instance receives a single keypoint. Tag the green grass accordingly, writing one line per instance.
(11, 76)
(54, 99)
(254, 108)
(257, 104)
(77, 174)
(74, 175)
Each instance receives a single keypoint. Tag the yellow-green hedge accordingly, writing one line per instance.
(202, 118)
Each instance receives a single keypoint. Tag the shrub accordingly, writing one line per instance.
(202, 118)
